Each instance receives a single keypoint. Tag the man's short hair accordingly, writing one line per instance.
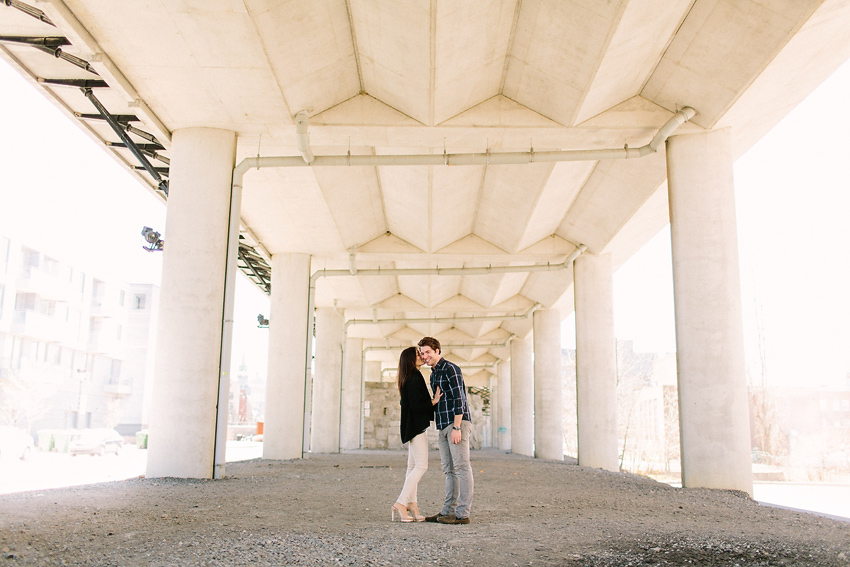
(431, 342)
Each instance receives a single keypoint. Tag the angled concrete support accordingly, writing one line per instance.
(503, 409)
(190, 337)
(713, 407)
(350, 395)
(522, 398)
(596, 364)
(285, 388)
(548, 387)
(326, 382)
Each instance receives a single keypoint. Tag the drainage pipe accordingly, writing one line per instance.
(679, 118)
(311, 295)
(473, 318)
(303, 138)
(487, 158)
(386, 371)
(459, 346)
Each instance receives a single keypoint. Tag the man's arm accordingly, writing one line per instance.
(455, 381)
(454, 396)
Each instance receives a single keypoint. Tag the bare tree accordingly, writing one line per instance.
(21, 401)
(568, 371)
(768, 434)
(672, 448)
(113, 412)
(632, 376)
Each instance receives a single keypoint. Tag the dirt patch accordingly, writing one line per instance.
(335, 510)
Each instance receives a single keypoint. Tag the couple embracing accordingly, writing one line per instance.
(449, 408)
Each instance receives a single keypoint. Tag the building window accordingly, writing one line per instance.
(98, 289)
(54, 354)
(30, 260)
(139, 301)
(115, 372)
(121, 298)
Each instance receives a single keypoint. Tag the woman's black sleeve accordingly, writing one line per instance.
(420, 398)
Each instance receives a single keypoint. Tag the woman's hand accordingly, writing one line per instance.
(437, 395)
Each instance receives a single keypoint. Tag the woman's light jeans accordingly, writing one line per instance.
(417, 464)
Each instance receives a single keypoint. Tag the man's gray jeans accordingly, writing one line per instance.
(456, 466)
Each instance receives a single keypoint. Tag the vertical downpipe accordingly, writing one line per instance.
(223, 401)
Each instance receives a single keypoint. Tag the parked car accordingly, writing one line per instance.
(95, 442)
(15, 443)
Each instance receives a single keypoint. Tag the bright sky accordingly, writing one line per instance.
(61, 193)
(793, 207)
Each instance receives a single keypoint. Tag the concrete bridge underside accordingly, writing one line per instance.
(473, 171)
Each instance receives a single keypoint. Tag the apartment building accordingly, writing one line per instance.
(75, 346)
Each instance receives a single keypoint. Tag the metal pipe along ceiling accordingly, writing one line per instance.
(456, 346)
(428, 320)
(498, 158)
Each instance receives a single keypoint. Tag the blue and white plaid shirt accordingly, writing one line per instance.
(449, 378)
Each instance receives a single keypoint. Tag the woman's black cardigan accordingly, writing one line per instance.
(417, 411)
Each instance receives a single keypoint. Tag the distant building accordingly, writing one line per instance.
(76, 347)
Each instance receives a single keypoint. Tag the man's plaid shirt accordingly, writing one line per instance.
(449, 378)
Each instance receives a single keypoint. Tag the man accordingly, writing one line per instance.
(455, 430)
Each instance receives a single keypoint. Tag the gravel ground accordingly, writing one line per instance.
(335, 510)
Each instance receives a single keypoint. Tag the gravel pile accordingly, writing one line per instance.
(335, 510)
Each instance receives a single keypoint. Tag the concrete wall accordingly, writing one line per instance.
(381, 425)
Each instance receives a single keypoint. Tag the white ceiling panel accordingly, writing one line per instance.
(509, 196)
(471, 63)
(428, 77)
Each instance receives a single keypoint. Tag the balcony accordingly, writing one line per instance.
(118, 389)
(41, 327)
(104, 343)
(45, 285)
(104, 310)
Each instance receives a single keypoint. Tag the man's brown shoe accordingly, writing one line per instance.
(436, 517)
(452, 520)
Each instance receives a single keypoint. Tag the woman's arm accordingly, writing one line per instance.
(420, 398)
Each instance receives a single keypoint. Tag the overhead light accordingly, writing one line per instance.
(152, 237)
(263, 322)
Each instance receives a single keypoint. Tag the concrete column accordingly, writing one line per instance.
(189, 331)
(285, 380)
(713, 407)
(352, 381)
(503, 408)
(522, 398)
(491, 438)
(596, 363)
(326, 382)
(548, 389)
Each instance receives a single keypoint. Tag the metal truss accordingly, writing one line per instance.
(250, 261)
(255, 267)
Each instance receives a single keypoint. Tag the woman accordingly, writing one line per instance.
(417, 413)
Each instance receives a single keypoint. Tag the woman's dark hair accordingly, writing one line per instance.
(406, 366)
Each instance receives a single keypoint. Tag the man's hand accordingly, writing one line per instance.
(455, 436)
